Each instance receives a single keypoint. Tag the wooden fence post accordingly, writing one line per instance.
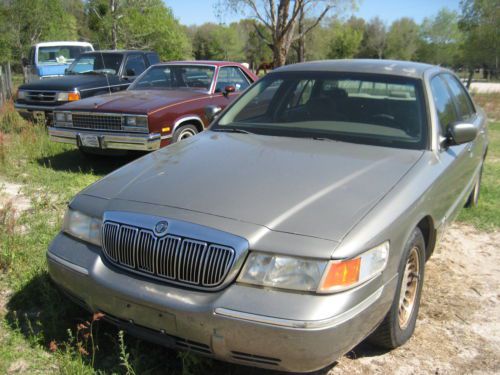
(5, 83)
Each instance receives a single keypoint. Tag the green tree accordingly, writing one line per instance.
(26, 22)
(346, 40)
(480, 22)
(281, 18)
(402, 39)
(138, 24)
(441, 39)
(374, 39)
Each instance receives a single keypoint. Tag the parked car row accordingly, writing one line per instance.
(126, 100)
(297, 225)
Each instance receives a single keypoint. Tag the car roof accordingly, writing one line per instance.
(123, 51)
(203, 62)
(388, 67)
(63, 43)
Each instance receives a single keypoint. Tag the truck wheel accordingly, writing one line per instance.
(184, 132)
(399, 323)
(473, 199)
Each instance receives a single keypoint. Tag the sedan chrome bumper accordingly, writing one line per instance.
(241, 324)
(108, 140)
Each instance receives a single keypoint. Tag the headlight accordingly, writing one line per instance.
(136, 122)
(21, 94)
(322, 276)
(63, 117)
(82, 226)
(281, 271)
(68, 96)
(345, 274)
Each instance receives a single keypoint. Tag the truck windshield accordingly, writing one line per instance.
(380, 110)
(96, 63)
(164, 77)
(60, 54)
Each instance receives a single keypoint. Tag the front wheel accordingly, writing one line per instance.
(184, 132)
(399, 323)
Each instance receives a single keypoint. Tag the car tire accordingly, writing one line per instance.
(399, 324)
(473, 199)
(183, 132)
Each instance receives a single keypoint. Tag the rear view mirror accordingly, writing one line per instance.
(461, 132)
(211, 112)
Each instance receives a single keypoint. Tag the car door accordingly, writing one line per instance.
(467, 113)
(134, 66)
(454, 160)
(229, 76)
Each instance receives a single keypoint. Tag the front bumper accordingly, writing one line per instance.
(108, 140)
(240, 324)
(30, 108)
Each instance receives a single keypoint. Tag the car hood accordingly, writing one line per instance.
(67, 83)
(301, 186)
(137, 101)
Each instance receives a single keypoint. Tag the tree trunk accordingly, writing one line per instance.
(469, 80)
(114, 26)
(279, 54)
(301, 53)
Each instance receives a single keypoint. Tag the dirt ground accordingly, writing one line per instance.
(458, 330)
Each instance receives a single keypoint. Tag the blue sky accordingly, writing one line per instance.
(199, 11)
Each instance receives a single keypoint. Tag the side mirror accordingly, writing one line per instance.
(461, 132)
(24, 61)
(66, 71)
(211, 112)
(228, 90)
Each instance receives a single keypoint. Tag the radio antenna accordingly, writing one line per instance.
(102, 60)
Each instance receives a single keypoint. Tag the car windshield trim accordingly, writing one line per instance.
(404, 95)
(111, 63)
(142, 84)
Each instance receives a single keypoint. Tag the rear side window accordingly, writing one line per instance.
(153, 58)
(135, 65)
(461, 97)
(444, 104)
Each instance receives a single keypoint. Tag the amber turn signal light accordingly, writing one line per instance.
(342, 273)
(72, 96)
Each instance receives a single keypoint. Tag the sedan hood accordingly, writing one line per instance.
(136, 101)
(301, 186)
(67, 83)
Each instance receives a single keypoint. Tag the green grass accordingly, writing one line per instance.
(38, 325)
(486, 215)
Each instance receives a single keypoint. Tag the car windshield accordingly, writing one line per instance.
(360, 108)
(96, 63)
(165, 77)
(60, 54)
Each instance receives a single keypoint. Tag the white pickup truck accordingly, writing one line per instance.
(51, 59)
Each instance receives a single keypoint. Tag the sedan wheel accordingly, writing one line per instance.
(409, 288)
(399, 323)
(185, 132)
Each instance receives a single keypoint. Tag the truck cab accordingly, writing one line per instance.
(51, 59)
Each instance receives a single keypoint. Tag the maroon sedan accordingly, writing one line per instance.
(164, 105)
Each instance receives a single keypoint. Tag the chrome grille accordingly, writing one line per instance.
(41, 97)
(181, 260)
(97, 122)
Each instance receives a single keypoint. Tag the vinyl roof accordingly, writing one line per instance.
(389, 67)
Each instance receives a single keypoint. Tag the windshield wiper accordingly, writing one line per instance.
(232, 130)
(324, 139)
